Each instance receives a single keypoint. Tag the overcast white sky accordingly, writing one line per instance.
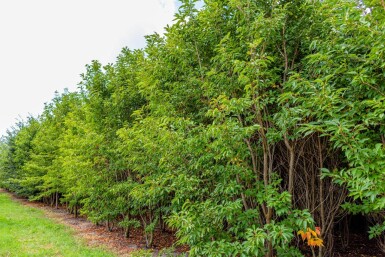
(45, 45)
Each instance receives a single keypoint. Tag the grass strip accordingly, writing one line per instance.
(24, 231)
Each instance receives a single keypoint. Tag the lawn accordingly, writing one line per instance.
(24, 231)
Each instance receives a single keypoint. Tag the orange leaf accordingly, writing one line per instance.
(315, 242)
(308, 235)
(303, 235)
(313, 233)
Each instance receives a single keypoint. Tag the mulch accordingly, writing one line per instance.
(99, 236)
(359, 246)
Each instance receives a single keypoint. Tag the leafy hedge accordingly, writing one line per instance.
(247, 122)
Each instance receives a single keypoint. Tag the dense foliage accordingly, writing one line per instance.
(246, 123)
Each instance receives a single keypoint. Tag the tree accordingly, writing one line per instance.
(248, 125)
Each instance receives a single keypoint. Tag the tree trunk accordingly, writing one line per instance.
(56, 200)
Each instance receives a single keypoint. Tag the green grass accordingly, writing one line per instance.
(24, 231)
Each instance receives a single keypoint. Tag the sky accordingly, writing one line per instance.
(45, 45)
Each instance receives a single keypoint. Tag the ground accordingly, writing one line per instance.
(99, 235)
(26, 232)
(360, 245)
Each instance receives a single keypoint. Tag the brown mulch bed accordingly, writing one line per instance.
(97, 235)
(359, 246)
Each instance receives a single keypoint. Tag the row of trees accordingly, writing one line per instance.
(247, 122)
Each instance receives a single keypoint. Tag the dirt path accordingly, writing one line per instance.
(98, 235)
